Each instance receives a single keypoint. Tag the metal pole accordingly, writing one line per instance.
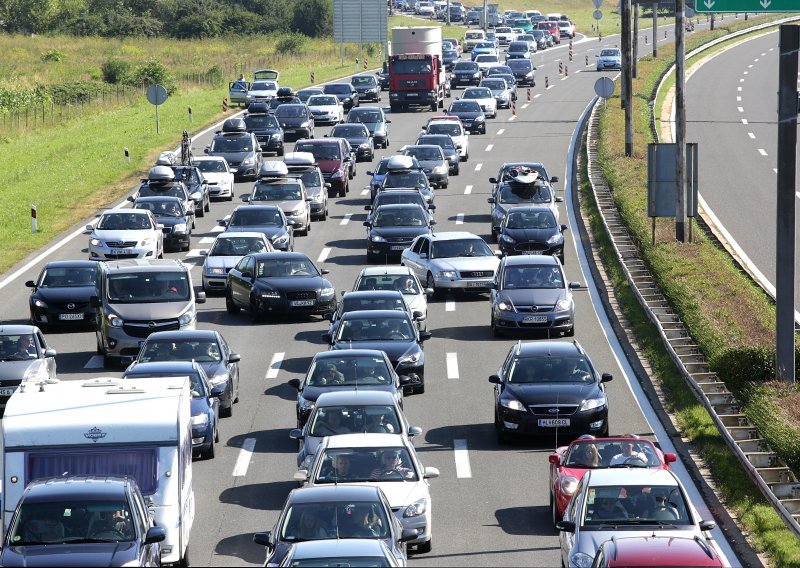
(680, 125)
(789, 43)
(655, 29)
(712, 22)
(624, 38)
(627, 70)
(635, 57)
(447, 14)
(485, 15)
(157, 127)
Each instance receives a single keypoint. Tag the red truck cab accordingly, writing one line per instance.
(416, 79)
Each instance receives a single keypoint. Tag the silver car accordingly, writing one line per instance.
(499, 88)
(24, 356)
(287, 193)
(433, 162)
(453, 127)
(126, 233)
(609, 58)
(261, 91)
(227, 250)
(452, 261)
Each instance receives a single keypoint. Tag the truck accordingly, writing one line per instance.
(102, 427)
(416, 69)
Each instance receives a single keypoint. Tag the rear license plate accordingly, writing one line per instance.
(534, 319)
(299, 303)
(398, 247)
(477, 284)
(70, 316)
(553, 422)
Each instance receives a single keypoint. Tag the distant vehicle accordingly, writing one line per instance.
(531, 230)
(218, 176)
(226, 250)
(484, 97)
(376, 122)
(499, 88)
(453, 127)
(305, 94)
(239, 147)
(393, 227)
(445, 142)
(335, 161)
(289, 193)
(296, 120)
(265, 127)
(358, 136)
(60, 294)
(466, 73)
(433, 162)
(326, 109)
(656, 551)
(237, 92)
(266, 219)
(609, 58)
(396, 278)
(524, 72)
(345, 92)
(301, 165)
(470, 114)
(261, 91)
(367, 86)
(24, 356)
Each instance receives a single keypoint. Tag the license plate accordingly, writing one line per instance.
(477, 284)
(534, 252)
(399, 247)
(122, 251)
(289, 131)
(299, 303)
(412, 94)
(70, 316)
(534, 319)
(553, 422)
(7, 391)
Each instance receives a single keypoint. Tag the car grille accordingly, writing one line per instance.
(120, 244)
(477, 274)
(528, 247)
(398, 240)
(145, 328)
(561, 409)
(533, 309)
(166, 230)
(10, 382)
(112, 256)
(233, 164)
(302, 295)
(69, 306)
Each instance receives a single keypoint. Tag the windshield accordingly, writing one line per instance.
(450, 128)
(425, 154)
(407, 217)
(364, 116)
(124, 222)
(486, 58)
(518, 47)
(311, 178)
(518, 193)
(465, 106)
(329, 520)
(232, 145)
(249, 216)
(411, 66)
(257, 121)
(165, 208)
(282, 268)
(549, 369)
(636, 504)
(609, 53)
(530, 277)
(320, 151)
(402, 282)
(460, 247)
(148, 287)
(494, 84)
(366, 465)
(83, 520)
(376, 329)
(519, 64)
(20, 347)
(337, 89)
(322, 100)
(211, 166)
(441, 141)
(290, 111)
(405, 179)
(200, 350)
(189, 175)
(334, 420)
(57, 277)
(304, 94)
(277, 192)
(237, 246)
(354, 304)
(350, 131)
(590, 454)
(531, 220)
(354, 370)
(465, 66)
(473, 35)
(369, 81)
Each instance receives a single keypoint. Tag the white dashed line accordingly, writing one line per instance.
(751, 135)
(741, 80)
(762, 151)
(745, 72)
(537, 95)
(756, 59)
(489, 147)
(468, 190)
(525, 105)
(243, 461)
(95, 362)
(323, 256)
(193, 253)
(744, 121)
(207, 240)
(460, 219)
(740, 109)
(275, 365)
(500, 132)
(751, 65)
(512, 117)
(450, 306)
(452, 365)
(463, 468)
(218, 229)
(738, 99)
(478, 167)
(365, 191)
(739, 89)
(346, 219)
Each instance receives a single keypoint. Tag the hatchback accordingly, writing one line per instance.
(60, 294)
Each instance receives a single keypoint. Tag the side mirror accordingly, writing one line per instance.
(408, 534)
(328, 316)
(388, 121)
(94, 301)
(327, 338)
(606, 377)
(707, 525)
(216, 392)
(206, 150)
(159, 227)
(130, 198)
(295, 383)
(496, 228)
(563, 228)
(418, 315)
(296, 434)
(367, 224)
(155, 534)
(554, 459)
(495, 379)
(89, 227)
(414, 431)
(234, 358)
(222, 222)
(490, 200)
(423, 255)
(30, 284)
(300, 476)
(428, 291)
(559, 199)
(566, 526)
(430, 473)
(575, 285)
(670, 458)
(425, 335)
(50, 353)
(246, 198)
(324, 271)
(328, 186)
(262, 538)
(200, 298)
(370, 173)
(367, 207)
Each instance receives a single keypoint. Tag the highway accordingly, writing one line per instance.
(490, 505)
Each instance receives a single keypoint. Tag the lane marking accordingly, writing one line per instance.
(741, 80)
(739, 89)
(525, 105)
(751, 135)
(243, 460)
(489, 147)
(346, 219)
(364, 192)
(468, 190)
(745, 72)
(797, 194)
(512, 117)
(323, 256)
(460, 219)
(565, 78)
(463, 469)
(478, 167)
(756, 59)
(762, 151)
(775, 170)
(193, 253)
(740, 109)
(218, 229)
(744, 121)
(500, 132)
(537, 95)
(95, 362)
(207, 240)
(452, 365)
(275, 365)
(738, 99)
(751, 65)
(450, 306)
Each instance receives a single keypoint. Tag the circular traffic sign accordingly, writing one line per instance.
(597, 15)
(156, 94)
(604, 87)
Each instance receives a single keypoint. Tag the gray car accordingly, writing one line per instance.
(433, 162)
(239, 148)
(448, 146)
(296, 120)
(24, 356)
(289, 194)
(226, 252)
(500, 90)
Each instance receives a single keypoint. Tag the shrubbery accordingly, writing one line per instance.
(116, 71)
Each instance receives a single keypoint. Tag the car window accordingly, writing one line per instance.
(333, 420)
(405, 179)
(550, 370)
(621, 504)
(364, 116)
(56, 522)
(336, 88)
(66, 277)
(461, 247)
(465, 66)
(425, 154)
(232, 145)
(407, 217)
(290, 111)
(349, 130)
(285, 267)
(532, 277)
(320, 151)
(256, 121)
(211, 166)
(200, 350)
(249, 216)
(236, 246)
(148, 287)
(124, 221)
(354, 370)
(376, 329)
(465, 106)
(366, 464)
(277, 192)
(451, 128)
(329, 520)
(362, 81)
(579, 453)
(531, 220)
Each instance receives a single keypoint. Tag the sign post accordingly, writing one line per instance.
(157, 96)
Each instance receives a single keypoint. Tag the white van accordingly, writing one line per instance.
(106, 427)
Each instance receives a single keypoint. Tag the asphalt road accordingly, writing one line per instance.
(490, 505)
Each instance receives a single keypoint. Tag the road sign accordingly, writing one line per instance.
(597, 15)
(597, 3)
(707, 6)
(604, 87)
(689, 12)
(156, 94)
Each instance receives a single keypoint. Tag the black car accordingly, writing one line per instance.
(161, 182)
(345, 92)
(276, 102)
(383, 77)
(400, 196)
(391, 228)
(531, 230)
(239, 147)
(359, 138)
(278, 283)
(549, 388)
(450, 57)
(82, 521)
(61, 293)
(296, 120)
(470, 113)
(523, 71)
(177, 222)
(362, 300)
(375, 120)
(465, 73)
(445, 142)
(267, 219)
(393, 332)
(266, 128)
(197, 186)
(206, 347)
(367, 86)
(365, 369)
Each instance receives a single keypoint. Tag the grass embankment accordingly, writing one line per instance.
(730, 318)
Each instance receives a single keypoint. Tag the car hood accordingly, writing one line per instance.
(403, 493)
(328, 166)
(122, 235)
(590, 540)
(324, 108)
(431, 163)
(538, 296)
(286, 206)
(75, 294)
(356, 141)
(226, 262)
(529, 235)
(171, 221)
(155, 311)
(292, 121)
(87, 554)
(16, 370)
(484, 263)
(467, 115)
(216, 177)
(393, 348)
(551, 393)
(409, 232)
(294, 283)
(269, 230)
(199, 406)
(469, 72)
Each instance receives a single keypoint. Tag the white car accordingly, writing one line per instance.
(226, 251)
(486, 60)
(505, 35)
(326, 108)
(390, 462)
(453, 127)
(126, 233)
(425, 9)
(392, 278)
(218, 176)
(484, 97)
(261, 91)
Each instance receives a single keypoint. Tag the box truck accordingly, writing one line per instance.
(416, 70)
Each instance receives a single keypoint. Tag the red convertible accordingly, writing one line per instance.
(569, 463)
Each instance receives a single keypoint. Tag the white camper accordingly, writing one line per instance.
(106, 427)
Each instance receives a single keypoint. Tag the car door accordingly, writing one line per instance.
(572, 514)
(232, 366)
(49, 362)
(411, 256)
(241, 281)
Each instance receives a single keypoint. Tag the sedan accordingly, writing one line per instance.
(484, 48)
(450, 57)
(392, 228)
(410, 178)
(24, 356)
(485, 61)
(60, 295)
(511, 81)
(609, 58)
(359, 138)
(531, 293)
(518, 50)
(225, 252)
(367, 86)
(261, 91)
(345, 92)
(367, 300)
(465, 73)
(305, 94)
(326, 109)
(500, 90)
(402, 279)
(396, 197)
(217, 174)
(266, 219)
(126, 233)
(524, 71)
(445, 142)
(175, 220)
(484, 97)
(453, 127)
(375, 121)
(432, 160)
(470, 113)
(197, 186)
(206, 347)
(531, 230)
(296, 121)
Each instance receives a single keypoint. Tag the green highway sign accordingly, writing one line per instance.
(708, 6)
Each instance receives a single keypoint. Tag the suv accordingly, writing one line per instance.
(239, 147)
(266, 128)
(275, 186)
(161, 182)
(376, 122)
(367, 86)
(137, 297)
(334, 157)
(296, 120)
(301, 166)
(524, 72)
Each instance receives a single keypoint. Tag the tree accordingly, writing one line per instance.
(313, 18)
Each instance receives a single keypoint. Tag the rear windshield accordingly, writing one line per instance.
(320, 151)
(254, 121)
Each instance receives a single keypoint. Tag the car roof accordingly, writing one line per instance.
(399, 206)
(373, 294)
(335, 548)
(453, 235)
(16, 329)
(334, 493)
(345, 397)
(183, 334)
(134, 211)
(366, 440)
(338, 354)
(157, 198)
(371, 314)
(78, 488)
(279, 255)
(542, 348)
(161, 367)
(385, 270)
(632, 476)
(249, 207)
(145, 265)
(71, 264)
(231, 234)
(531, 259)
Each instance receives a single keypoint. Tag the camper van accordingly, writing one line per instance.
(103, 427)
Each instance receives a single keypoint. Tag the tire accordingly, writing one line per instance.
(210, 452)
(435, 106)
(570, 332)
(553, 509)
(109, 362)
(184, 561)
(429, 283)
(496, 332)
(420, 389)
(226, 412)
(186, 247)
(278, 153)
(200, 212)
(425, 547)
(207, 207)
(256, 315)
(230, 306)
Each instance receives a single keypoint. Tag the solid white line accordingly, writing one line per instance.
(207, 240)
(489, 147)
(243, 461)
(463, 468)
(762, 151)
(450, 306)
(452, 365)
(751, 135)
(460, 219)
(323, 256)
(468, 190)
(275, 365)
(500, 132)
(478, 167)
(95, 362)
(346, 219)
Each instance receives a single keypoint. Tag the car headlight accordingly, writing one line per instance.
(581, 560)
(277, 136)
(281, 239)
(249, 161)
(416, 509)
(568, 485)
(186, 318)
(441, 169)
(39, 303)
(347, 99)
(200, 419)
(179, 228)
(476, 74)
(412, 358)
(445, 274)
(555, 239)
(147, 242)
(512, 404)
(480, 118)
(115, 321)
(304, 403)
(563, 304)
(34, 374)
(327, 292)
(317, 197)
(298, 210)
(217, 380)
(364, 146)
(507, 239)
(505, 306)
(214, 271)
(304, 125)
(96, 242)
(592, 403)
(270, 294)
(337, 174)
(377, 239)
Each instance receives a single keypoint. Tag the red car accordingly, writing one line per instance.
(335, 159)
(656, 551)
(552, 27)
(569, 463)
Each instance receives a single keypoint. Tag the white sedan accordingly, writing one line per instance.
(485, 98)
(218, 175)
(126, 233)
(326, 108)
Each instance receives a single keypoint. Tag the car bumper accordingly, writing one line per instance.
(370, 95)
(270, 144)
(176, 240)
(107, 253)
(53, 315)
(337, 184)
(326, 118)
(465, 284)
(296, 133)
(514, 421)
(387, 248)
(317, 207)
(530, 248)
(364, 152)
(242, 172)
(412, 97)
(420, 523)
(474, 126)
(214, 282)
(528, 321)
(217, 191)
(118, 343)
(464, 80)
(284, 306)
(608, 65)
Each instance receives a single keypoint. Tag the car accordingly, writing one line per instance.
(305, 94)
(656, 551)
(524, 72)
(472, 38)
(359, 138)
(383, 76)
(391, 331)
(265, 128)
(301, 165)
(404, 172)
(473, 18)
(548, 388)
(102, 519)
(484, 48)
(397, 278)
(218, 176)
(511, 82)
(523, 23)
(334, 157)
(334, 508)
(377, 177)
(276, 283)
(499, 88)
(266, 219)
(521, 183)
(484, 97)
(239, 147)
(505, 35)
(445, 142)
(261, 91)
(569, 463)
(388, 461)
(368, 300)
(609, 58)
(60, 294)
(24, 356)
(345, 92)
(453, 260)
(237, 91)
(470, 113)
(175, 221)
(392, 228)
(449, 58)
(457, 13)
(465, 73)
(367, 87)
(398, 196)
(125, 233)
(205, 398)
(518, 50)
(634, 502)
(296, 121)
(424, 8)
(486, 60)
(326, 109)
(197, 187)
(540, 38)
(341, 552)
(225, 252)
(530, 38)
(161, 182)
(452, 127)
(275, 186)
(433, 162)
(206, 347)
(548, 38)
(531, 230)
(376, 122)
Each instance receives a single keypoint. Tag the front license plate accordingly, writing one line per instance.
(289, 131)
(70, 316)
(299, 303)
(477, 284)
(412, 94)
(534, 319)
(122, 251)
(7, 391)
(553, 422)
(399, 247)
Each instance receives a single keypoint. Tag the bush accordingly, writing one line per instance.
(116, 71)
(215, 76)
(290, 44)
(153, 72)
(53, 55)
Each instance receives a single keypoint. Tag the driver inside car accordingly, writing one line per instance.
(629, 453)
